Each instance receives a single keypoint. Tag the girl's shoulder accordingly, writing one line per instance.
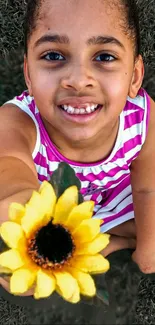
(141, 101)
(136, 115)
(25, 102)
(19, 117)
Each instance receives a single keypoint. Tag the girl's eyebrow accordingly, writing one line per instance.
(63, 39)
(52, 38)
(104, 40)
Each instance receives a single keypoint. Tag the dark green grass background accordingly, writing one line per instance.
(132, 294)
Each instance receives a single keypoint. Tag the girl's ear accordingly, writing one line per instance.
(137, 78)
(27, 75)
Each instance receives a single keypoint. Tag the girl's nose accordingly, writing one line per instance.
(79, 78)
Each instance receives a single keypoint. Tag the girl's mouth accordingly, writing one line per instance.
(87, 110)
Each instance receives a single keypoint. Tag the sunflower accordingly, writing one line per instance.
(54, 245)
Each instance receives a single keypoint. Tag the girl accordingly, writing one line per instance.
(85, 105)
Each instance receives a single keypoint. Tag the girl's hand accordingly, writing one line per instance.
(5, 284)
(145, 261)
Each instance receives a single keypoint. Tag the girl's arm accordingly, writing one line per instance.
(18, 177)
(143, 188)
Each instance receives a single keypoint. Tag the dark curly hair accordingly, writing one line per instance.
(128, 9)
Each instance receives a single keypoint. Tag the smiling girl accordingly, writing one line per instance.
(84, 105)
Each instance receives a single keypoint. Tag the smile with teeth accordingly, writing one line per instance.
(80, 111)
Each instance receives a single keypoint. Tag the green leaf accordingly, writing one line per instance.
(3, 245)
(103, 295)
(4, 248)
(62, 178)
(80, 198)
(101, 298)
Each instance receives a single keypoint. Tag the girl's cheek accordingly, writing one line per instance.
(115, 92)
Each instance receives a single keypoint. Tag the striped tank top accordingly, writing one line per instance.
(107, 182)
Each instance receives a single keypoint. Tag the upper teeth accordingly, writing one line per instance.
(72, 110)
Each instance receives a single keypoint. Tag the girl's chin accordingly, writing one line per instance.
(80, 136)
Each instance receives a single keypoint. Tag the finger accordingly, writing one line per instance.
(28, 293)
(5, 284)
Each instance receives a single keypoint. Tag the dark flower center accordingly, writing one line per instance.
(52, 246)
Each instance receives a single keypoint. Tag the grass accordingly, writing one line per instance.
(132, 300)
(132, 295)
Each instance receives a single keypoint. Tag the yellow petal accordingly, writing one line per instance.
(97, 245)
(66, 283)
(35, 200)
(87, 230)
(45, 285)
(79, 213)
(32, 220)
(85, 282)
(13, 234)
(67, 201)
(39, 209)
(75, 297)
(11, 259)
(37, 203)
(22, 280)
(94, 264)
(16, 212)
(48, 197)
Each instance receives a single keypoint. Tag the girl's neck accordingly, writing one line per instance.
(87, 151)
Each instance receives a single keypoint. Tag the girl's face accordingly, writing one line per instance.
(79, 58)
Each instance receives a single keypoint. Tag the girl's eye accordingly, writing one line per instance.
(105, 57)
(53, 56)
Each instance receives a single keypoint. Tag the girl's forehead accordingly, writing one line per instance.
(79, 4)
(66, 12)
(80, 16)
